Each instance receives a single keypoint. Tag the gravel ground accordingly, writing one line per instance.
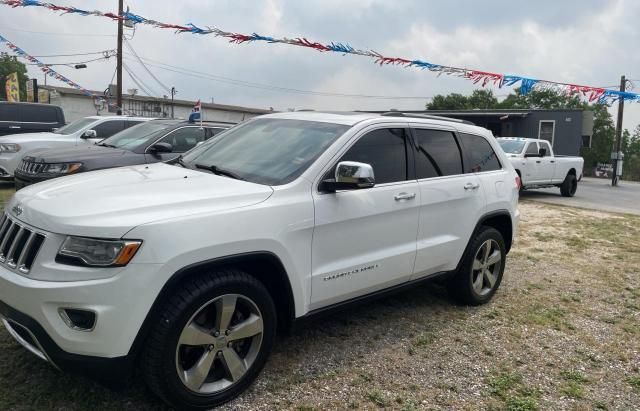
(563, 332)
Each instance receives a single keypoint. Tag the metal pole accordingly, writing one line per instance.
(173, 93)
(614, 178)
(119, 60)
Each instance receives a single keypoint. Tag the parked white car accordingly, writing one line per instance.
(188, 269)
(87, 130)
(536, 165)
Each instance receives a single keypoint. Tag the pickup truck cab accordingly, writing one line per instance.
(187, 270)
(538, 167)
(82, 132)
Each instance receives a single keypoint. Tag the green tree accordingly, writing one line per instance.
(631, 150)
(453, 101)
(10, 65)
(541, 99)
(604, 132)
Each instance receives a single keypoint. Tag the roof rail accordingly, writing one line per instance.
(426, 116)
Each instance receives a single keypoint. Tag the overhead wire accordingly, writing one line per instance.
(139, 82)
(130, 47)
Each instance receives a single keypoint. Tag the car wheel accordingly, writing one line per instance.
(481, 270)
(569, 186)
(211, 340)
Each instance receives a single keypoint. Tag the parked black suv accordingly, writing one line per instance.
(18, 118)
(150, 142)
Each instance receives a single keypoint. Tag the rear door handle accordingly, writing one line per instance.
(15, 127)
(552, 161)
(405, 196)
(471, 186)
(538, 161)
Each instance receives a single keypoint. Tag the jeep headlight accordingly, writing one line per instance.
(61, 168)
(97, 253)
(9, 148)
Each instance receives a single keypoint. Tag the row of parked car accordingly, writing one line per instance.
(40, 150)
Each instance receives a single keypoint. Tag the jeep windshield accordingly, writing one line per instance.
(265, 151)
(138, 135)
(512, 146)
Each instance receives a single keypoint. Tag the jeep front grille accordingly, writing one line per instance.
(19, 245)
(29, 167)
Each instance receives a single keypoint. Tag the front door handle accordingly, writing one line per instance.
(471, 186)
(405, 196)
(15, 127)
(538, 161)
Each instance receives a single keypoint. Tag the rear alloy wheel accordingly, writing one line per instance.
(569, 186)
(211, 341)
(482, 267)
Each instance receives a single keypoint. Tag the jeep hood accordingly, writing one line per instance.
(109, 203)
(28, 137)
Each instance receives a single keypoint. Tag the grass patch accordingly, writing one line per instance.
(376, 397)
(424, 340)
(548, 317)
(634, 382)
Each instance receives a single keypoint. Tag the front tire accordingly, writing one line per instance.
(211, 340)
(569, 186)
(481, 270)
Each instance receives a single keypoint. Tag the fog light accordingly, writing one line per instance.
(80, 320)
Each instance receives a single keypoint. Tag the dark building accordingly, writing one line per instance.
(567, 130)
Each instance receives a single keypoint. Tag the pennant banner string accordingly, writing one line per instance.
(48, 71)
(482, 78)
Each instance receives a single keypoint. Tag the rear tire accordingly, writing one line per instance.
(569, 186)
(481, 270)
(211, 340)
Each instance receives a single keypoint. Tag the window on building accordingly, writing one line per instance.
(547, 130)
(586, 141)
(385, 150)
(438, 154)
(479, 155)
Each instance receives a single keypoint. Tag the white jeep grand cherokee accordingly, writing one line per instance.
(187, 270)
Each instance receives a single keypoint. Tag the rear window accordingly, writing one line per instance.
(39, 114)
(438, 154)
(479, 155)
(512, 146)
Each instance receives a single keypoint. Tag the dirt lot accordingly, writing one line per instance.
(562, 333)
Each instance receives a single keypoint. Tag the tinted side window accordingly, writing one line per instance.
(385, 150)
(185, 139)
(532, 149)
(109, 128)
(545, 145)
(479, 156)
(213, 131)
(38, 114)
(438, 154)
(9, 112)
(131, 123)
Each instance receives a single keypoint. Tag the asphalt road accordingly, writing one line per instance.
(595, 194)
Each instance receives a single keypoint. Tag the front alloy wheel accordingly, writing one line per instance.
(219, 344)
(210, 340)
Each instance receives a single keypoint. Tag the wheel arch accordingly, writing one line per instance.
(572, 171)
(265, 266)
(501, 221)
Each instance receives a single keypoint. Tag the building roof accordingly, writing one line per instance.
(213, 106)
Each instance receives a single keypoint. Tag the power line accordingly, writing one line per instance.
(73, 63)
(242, 83)
(79, 54)
(141, 84)
(130, 47)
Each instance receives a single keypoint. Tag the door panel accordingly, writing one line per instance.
(363, 240)
(531, 169)
(547, 165)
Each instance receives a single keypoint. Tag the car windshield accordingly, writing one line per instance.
(512, 146)
(75, 126)
(265, 151)
(137, 135)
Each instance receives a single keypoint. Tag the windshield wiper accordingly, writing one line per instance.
(106, 145)
(219, 171)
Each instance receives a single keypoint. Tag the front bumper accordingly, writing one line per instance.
(8, 164)
(30, 334)
(23, 180)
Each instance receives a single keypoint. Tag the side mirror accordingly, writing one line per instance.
(542, 152)
(161, 148)
(350, 175)
(90, 134)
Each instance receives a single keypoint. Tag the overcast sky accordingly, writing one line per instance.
(590, 42)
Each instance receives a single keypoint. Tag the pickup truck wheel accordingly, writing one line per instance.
(211, 341)
(481, 270)
(569, 186)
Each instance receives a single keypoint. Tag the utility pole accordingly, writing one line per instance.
(173, 93)
(119, 59)
(623, 88)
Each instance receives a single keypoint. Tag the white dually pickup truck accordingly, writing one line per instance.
(539, 168)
